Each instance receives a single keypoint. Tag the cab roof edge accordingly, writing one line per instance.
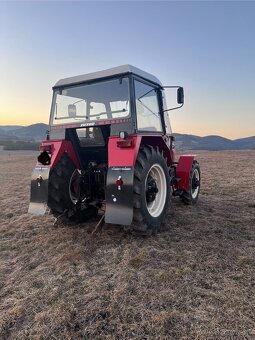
(119, 70)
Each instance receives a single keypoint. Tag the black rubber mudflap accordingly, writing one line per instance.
(39, 190)
(119, 201)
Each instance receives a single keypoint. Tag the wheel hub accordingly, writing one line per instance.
(151, 189)
(155, 190)
(195, 183)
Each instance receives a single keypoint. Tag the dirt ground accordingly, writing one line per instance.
(195, 280)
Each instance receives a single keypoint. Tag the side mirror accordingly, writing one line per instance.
(180, 95)
(72, 110)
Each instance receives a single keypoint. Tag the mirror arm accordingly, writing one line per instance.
(171, 87)
(174, 108)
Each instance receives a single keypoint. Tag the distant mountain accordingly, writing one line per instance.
(192, 142)
(9, 127)
(35, 132)
(245, 143)
(4, 135)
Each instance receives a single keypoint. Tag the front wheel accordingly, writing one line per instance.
(190, 196)
(152, 190)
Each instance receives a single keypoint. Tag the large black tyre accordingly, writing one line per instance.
(59, 197)
(152, 190)
(190, 197)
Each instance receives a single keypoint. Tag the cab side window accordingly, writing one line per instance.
(147, 108)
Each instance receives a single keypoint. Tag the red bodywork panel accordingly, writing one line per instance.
(123, 156)
(118, 156)
(183, 169)
(57, 148)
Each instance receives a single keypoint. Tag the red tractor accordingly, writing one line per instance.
(110, 145)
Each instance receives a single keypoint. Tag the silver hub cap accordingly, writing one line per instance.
(156, 205)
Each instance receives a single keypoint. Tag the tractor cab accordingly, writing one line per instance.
(123, 95)
(106, 129)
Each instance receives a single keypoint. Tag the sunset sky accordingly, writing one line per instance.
(207, 47)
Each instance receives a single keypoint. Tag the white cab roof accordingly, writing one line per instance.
(124, 69)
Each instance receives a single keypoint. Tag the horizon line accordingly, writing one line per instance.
(188, 134)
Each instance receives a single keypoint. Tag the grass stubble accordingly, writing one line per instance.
(194, 280)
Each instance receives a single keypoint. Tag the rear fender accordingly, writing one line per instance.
(158, 141)
(183, 169)
(40, 174)
(121, 163)
(127, 156)
(57, 148)
(118, 156)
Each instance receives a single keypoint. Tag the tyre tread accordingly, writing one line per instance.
(186, 196)
(58, 192)
(140, 222)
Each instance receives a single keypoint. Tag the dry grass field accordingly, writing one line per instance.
(194, 280)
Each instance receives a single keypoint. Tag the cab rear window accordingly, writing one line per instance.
(90, 136)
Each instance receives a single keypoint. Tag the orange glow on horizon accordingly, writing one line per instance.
(19, 120)
(9, 116)
(24, 119)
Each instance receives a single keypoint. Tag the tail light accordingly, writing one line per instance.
(126, 143)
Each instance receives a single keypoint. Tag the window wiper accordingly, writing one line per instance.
(106, 113)
(81, 100)
(116, 111)
(145, 94)
(67, 117)
(154, 113)
(93, 116)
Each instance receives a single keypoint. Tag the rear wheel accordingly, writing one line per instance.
(191, 196)
(64, 185)
(151, 190)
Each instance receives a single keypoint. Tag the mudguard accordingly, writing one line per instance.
(183, 169)
(40, 174)
(119, 199)
(121, 163)
(39, 190)
(58, 147)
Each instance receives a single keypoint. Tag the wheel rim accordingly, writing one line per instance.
(195, 183)
(156, 205)
(74, 186)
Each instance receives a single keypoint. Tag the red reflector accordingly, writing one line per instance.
(127, 143)
(119, 182)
